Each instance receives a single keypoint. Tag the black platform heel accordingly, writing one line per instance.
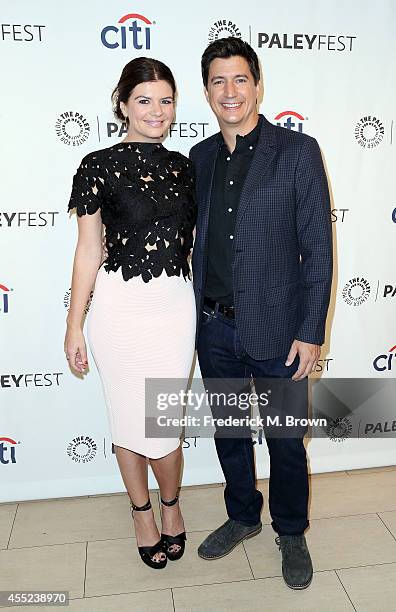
(147, 552)
(168, 540)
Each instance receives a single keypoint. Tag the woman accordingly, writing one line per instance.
(141, 321)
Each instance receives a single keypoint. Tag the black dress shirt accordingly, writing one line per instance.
(230, 174)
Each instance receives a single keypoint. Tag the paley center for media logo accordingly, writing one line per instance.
(4, 298)
(369, 132)
(82, 449)
(222, 29)
(132, 31)
(72, 128)
(356, 291)
(339, 430)
(8, 450)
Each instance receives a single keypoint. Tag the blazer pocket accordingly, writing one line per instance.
(282, 294)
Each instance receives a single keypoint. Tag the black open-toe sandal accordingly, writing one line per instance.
(168, 540)
(148, 552)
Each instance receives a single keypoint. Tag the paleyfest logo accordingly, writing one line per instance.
(290, 120)
(4, 301)
(389, 291)
(22, 32)
(339, 214)
(222, 29)
(356, 291)
(15, 219)
(134, 31)
(306, 42)
(369, 132)
(72, 128)
(180, 129)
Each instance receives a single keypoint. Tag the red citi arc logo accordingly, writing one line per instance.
(4, 293)
(290, 120)
(134, 31)
(7, 452)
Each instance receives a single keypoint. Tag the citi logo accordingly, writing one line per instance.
(290, 120)
(134, 31)
(7, 450)
(4, 295)
(385, 362)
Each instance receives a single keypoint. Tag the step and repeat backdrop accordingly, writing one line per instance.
(328, 71)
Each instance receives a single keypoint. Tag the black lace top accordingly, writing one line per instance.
(145, 196)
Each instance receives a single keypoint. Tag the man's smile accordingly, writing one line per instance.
(231, 105)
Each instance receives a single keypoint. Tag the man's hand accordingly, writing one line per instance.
(309, 355)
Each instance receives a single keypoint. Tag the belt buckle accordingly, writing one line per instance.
(211, 309)
(228, 311)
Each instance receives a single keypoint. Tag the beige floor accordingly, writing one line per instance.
(85, 545)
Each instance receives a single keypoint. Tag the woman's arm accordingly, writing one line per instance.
(87, 259)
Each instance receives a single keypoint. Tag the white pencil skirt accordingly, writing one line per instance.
(137, 330)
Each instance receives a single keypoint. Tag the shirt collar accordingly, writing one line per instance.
(249, 140)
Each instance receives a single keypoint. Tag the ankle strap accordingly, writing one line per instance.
(172, 502)
(146, 506)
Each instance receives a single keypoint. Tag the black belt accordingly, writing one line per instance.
(227, 311)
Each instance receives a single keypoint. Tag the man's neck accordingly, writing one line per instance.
(229, 132)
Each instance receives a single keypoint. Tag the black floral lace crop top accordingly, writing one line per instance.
(146, 201)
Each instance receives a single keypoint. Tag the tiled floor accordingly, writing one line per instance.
(85, 545)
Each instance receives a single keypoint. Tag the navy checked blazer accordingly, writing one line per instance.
(282, 247)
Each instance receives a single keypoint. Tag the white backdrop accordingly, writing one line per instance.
(328, 69)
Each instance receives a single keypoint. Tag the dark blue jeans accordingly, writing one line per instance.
(221, 355)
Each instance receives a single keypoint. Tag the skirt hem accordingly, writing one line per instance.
(151, 454)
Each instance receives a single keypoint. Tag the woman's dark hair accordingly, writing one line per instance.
(228, 47)
(139, 70)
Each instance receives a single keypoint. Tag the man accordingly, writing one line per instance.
(262, 268)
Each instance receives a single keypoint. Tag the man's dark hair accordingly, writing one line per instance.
(228, 47)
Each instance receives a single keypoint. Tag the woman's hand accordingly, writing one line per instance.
(76, 350)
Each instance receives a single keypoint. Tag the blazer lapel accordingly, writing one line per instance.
(206, 189)
(263, 156)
